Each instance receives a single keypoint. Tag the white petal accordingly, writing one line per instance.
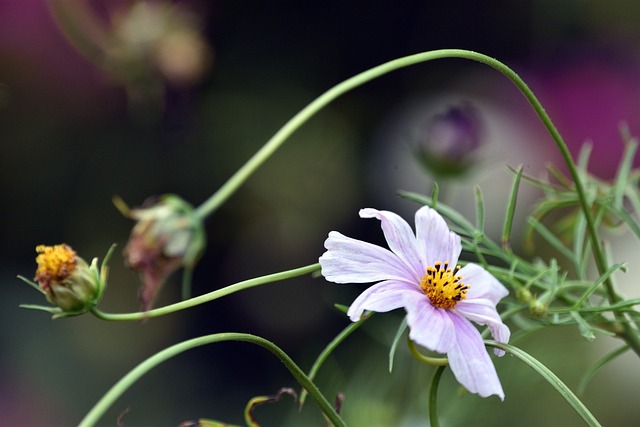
(381, 297)
(483, 312)
(400, 237)
(429, 326)
(435, 241)
(350, 260)
(470, 362)
(482, 284)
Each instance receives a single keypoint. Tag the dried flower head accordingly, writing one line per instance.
(168, 235)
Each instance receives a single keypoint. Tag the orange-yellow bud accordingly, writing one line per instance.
(66, 279)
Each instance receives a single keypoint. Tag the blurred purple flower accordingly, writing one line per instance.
(448, 139)
(420, 273)
(588, 98)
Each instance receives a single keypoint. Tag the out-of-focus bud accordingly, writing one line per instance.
(159, 36)
(538, 308)
(524, 294)
(168, 235)
(447, 141)
(66, 280)
(182, 56)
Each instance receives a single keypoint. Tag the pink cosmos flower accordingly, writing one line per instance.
(420, 273)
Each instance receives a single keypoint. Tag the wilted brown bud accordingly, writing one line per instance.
(168, 235)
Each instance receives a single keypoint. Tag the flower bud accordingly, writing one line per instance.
(66, 280)
(524, 294)
(448, 139)
(538, 308)
(167, 236)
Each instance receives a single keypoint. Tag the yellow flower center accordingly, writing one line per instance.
(443, 285)
(55, 263)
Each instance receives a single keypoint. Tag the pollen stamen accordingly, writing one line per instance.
(55, 263)
(435, 285)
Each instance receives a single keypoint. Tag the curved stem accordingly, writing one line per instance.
(551, 378)
(327, 351)
(219, 293)
(127, 381)
(211, 204)
(236, 180)
(295, 122)
(434, 421)
(434, 361)
(598, 253)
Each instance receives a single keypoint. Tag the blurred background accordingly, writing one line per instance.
(104, 98)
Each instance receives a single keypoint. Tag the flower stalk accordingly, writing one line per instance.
(551, 378)
(211, 296)
(210, 205)
(98, 410)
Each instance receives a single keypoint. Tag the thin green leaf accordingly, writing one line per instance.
(583, 158)
(633, 197)
(478, 238)
(322, 357)
(458, 221)
(579, 248)
(30, 283)
(342, 308)
(107, 257)
(628, 219)
(434, 195)
(396, 339)
(479, 199)
(552, 379)
(511, 210)
(583, 326)
(599, 364)
(52, 310)
(597, 283)
(559, 176)
(620, 306)
(622, 177)
(542, 183)
(551, 239)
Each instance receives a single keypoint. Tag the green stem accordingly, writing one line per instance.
(628, 333)
(127, 381)
(327, 351)
(236, 180)
(551, 378)
(433, 361)
(187, 276)
(211, 204)
(434, 421)
(219, 293)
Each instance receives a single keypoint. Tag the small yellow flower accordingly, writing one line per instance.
(67, 281)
